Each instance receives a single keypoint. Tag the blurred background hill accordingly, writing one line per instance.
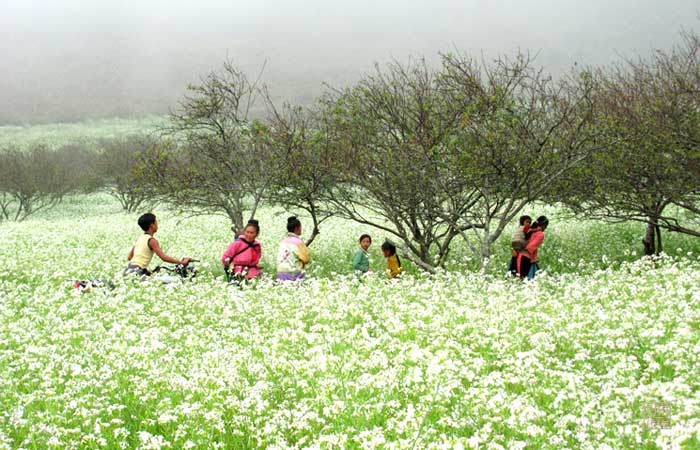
(71, 60)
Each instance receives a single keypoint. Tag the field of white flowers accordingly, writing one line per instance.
(600, 351)
(87, 133)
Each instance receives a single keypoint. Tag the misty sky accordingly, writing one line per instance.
(65, 60)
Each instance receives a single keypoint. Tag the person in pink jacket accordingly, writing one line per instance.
(527, 263)
(242, 257)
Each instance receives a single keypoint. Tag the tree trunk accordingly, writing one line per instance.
(256, 203)
(485, 256)
(419, 261)
(22, 208)
(649, 240)
(5, 202)
(236, 218)
(485, 247)
(659, 243)
(444, 251)
(315, 232)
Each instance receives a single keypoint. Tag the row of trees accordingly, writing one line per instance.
(647, 119)
(430, 155)
(427, 155)
(38, 178)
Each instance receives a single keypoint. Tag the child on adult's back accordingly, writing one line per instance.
(518, 243)
(146, 245)
(528, 260)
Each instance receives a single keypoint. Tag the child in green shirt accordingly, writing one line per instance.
(360, 261)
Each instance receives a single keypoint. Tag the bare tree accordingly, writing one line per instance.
(218, 164)
(429, 155)
(395, 134)
(519, 132)
(649, 114)
(36, 179)
(304, 165)
(119, 165)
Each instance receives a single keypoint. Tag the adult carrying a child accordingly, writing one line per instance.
(528, 262)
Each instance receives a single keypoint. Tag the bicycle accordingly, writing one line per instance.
(182, 271)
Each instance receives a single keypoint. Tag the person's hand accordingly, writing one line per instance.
(186, 260)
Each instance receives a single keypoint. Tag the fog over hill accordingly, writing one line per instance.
(69, 60)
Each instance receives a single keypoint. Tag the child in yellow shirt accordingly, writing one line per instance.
(393, 263)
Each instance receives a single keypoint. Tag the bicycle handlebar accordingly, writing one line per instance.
(183, 270)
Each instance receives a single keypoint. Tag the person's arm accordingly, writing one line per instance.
(257, 254)
(228, 254)
(153, 244)
(357, 261)
(131, 254)
(518, 241)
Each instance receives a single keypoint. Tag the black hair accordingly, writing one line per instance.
(292, 223)
(524, 218)
(388, 246)
(391, 248)
(146, 220)
(541, 222)
(255, 224)
(366, 236)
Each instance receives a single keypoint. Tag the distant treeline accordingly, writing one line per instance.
(428, 155)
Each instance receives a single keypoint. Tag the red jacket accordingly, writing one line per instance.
(243, 255)
(536, 239)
